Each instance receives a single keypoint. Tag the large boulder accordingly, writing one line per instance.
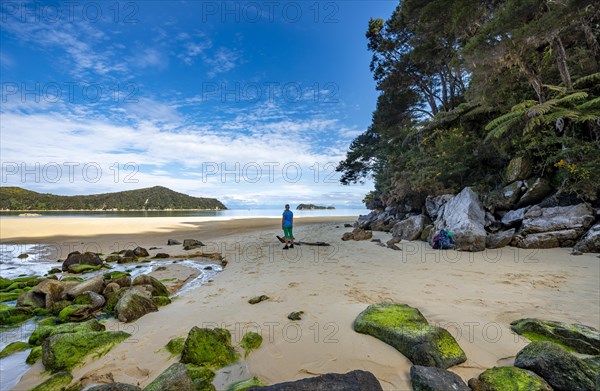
(90, 298)
(51, 290)
(31, 299)
(40, 334)
(190, 244)
(134, 304)
(410, 228)
(357, 380)
(537, 190)
(158, 289)
(581, 338)
(208, 347)
(519, 168)
(562, 370)
(508, 196)
(407, 330)
(65, 351)
(94, 284)
(590, 242)
(434, 204)
(174, 378)
(435, 379)
(464, 215)
(76, 313)
(511, 378)
(77, 258)
(558, 226)
(500, 239)
(140, 252)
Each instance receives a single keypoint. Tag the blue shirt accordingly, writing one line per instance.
(287, 218)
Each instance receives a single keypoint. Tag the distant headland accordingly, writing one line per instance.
(313, 207)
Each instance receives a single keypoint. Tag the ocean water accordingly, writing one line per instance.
(271, 212)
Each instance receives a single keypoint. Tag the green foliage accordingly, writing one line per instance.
(153, 198)
(464, 94)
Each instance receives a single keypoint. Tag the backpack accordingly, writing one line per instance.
(443, 240)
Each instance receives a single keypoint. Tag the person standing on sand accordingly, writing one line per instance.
(287, 222)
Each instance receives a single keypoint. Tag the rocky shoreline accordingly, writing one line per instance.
(524, 214)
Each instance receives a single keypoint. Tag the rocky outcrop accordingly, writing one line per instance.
(581, 338)
(519, 168)
(407, 330)
(190, 244)
(499, 239)
(157, 287)
(514, 218)
(464, 215)
(357, 380)
(562, 370)
(77, 258)
(511, 378)
(435, 379)
(172, 242)
(94, 284)
(537, 190)
(509, 195)
(554, 227)
(358, 234)
(590, 242)
(410, 228)
(434, 204)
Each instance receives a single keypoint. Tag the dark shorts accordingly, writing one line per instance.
(287, 233)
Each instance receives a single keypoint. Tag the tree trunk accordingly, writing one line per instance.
(560, 55)
(591, 39)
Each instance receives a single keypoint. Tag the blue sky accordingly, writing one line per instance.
(253, 103)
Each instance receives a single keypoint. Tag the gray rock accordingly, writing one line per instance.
(357, 380)
(491, 224)
(537, 190)
(94, 284)
(51, 290)
(435, 379)
(110, 288)
(590, 242)
(514, 217)
(509, 195)
(174, 378)
(434, 204)
(93, 299)
(190, 244)
(172, 242)
(157, 287)
(552, 239)
(464, 215)
(500, 239)
(410, 228)
(562, 370)
(77, 258)
(31, 299)
(140, 252)
(134, 304)
(577, 217)
(518, 168)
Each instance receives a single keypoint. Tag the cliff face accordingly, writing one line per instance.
(153, 198)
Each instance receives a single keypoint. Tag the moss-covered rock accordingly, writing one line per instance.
(208, 347)
(576, 337)
(65, 351)
(435, 379)
(80, 269)
(161, 301)
(59, 306)
(251, 341)
(201, 377)
(246, 384)
(158, 289)
(58, 381)
(34, 356)
(43, 332)
(75, 313)
(114, 387)
(9, 296)
(175, 346)
(133, 305)
(77, 258)
(174, 378)
(31, 299)
(14, 347)
(561, 369)
(12, 316)
(407, 330)
(112, 258)
(92, 299)
(121, 278)
(4, 283)
(512, 379)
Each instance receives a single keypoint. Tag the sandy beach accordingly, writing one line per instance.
(473, 295)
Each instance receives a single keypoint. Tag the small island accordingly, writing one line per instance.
(313, 207)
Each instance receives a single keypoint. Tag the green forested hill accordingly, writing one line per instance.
(467, 86)
(152, 198)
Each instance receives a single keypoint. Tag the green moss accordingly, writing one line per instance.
(14, 348)
(175, 346)
(209, 347)
(114, 275)
(246, 384)
(59, 306)
(34, 356)
(43, 332)
(57, 382)
(41, 312)
(49, 321)
(4, 283)
(512, 379)
(573, 337)
(74, 312)
(201, 377)
(11, 316)
(72, 278)
(168, 279)
(535, 337)
(79, 269)
(250, 342)
(66, 351)
(161, 301)
(10, 296)
(158, 289)
(83, 299)
(399, 317)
